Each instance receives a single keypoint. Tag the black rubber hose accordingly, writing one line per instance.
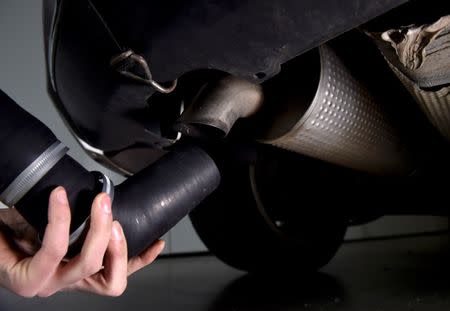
(81, 187)
(22, 139)
(147, 205)
(151, 202)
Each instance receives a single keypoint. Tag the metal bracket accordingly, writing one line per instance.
(124, 61)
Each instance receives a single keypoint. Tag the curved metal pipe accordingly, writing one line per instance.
(218, 106)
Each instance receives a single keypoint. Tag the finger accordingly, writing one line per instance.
(116, 264)
(113, 280)
(90, 259)
(35, 272)
(146, 258)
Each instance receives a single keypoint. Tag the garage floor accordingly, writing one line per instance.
(402, 274)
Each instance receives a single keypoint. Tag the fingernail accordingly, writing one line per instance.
(106, 204)
(117, 233)
(61, 196)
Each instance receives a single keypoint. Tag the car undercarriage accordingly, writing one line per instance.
(276, 124)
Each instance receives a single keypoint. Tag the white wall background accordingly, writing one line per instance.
(22, 77)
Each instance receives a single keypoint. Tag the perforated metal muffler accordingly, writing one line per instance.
(340, 122)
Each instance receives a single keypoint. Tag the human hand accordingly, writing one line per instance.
(102, 266)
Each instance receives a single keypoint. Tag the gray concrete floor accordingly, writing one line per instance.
(397, 274)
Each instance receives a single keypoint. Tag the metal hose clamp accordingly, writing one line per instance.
(108, 188)
(32, 174)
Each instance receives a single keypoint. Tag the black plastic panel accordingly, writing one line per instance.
(250, 39)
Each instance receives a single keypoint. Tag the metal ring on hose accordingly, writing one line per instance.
(108, 188)
(31, 175)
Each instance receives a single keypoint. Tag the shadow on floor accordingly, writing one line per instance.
(402, 274)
